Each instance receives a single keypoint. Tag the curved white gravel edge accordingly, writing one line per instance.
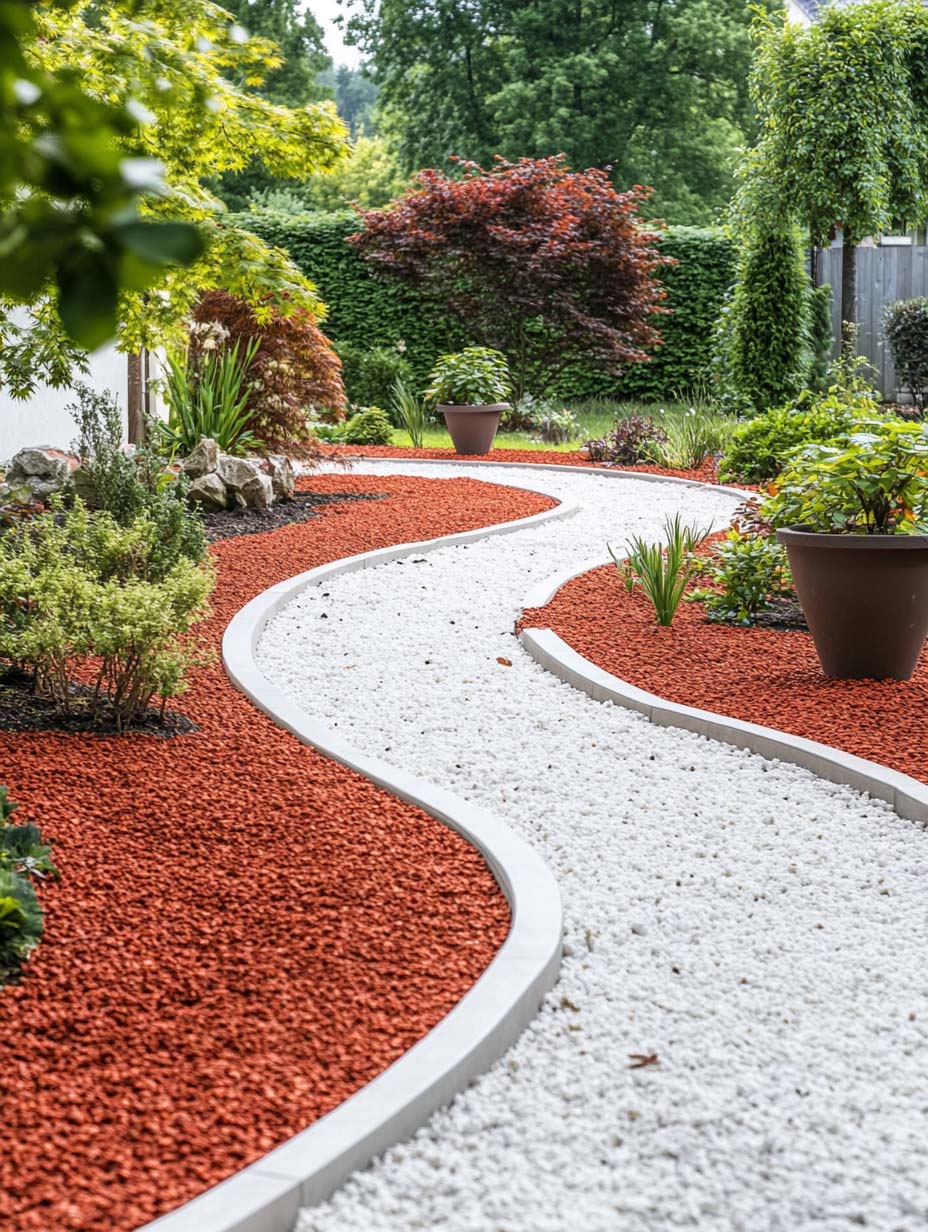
(267, 1195)
(907, 796)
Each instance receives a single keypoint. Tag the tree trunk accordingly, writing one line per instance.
(136, 398)
(848, 295)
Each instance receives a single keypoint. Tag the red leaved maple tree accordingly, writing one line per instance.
(546, 264)
(295, 369)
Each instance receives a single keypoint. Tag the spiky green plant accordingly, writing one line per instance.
(662, 570)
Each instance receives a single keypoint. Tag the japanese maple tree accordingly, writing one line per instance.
(545, 264)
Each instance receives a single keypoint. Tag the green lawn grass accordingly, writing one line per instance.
(594, 418)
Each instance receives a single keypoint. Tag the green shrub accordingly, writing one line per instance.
(368, 312)
(662, 571)
(905, 325)
(747, 572)
(370, 374)
(872, 481)
(128, 484)
(476, 376)
(23, 857)
(768, 320)
(760, 447)
(368, 426)
(83, 596)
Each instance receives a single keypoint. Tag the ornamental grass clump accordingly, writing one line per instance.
(409, 410)
(83, 598)
(873, 481)
(661, 570)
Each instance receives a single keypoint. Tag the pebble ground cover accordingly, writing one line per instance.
(244, 932)
(738, 1037)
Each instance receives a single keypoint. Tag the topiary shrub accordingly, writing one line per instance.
(905, 324)
(768, 319)
(368, 426)
(295, 371)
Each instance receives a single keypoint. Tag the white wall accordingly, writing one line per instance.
(43, 420)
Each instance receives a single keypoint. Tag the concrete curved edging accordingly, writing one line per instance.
(644, 476)
(907, 796)
(266, 1195)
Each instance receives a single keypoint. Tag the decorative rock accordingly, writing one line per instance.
(41, 469)
(203, 460)
(257, 493)
(235, 473)
(283, 476)
(209, 491)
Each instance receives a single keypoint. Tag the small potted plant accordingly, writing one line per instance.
(471, 388)
(853, 517)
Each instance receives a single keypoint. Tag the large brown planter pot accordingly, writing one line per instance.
(472, 428)
(865, 598)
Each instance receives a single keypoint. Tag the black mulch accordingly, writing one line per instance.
(226, 523)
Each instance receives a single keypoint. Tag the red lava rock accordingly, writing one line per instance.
(244, 932)
(765, 676)
(704, 473)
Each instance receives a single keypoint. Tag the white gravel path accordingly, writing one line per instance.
(762, 931)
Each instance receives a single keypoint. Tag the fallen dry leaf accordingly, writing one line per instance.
(505, 662)
(642, 1059)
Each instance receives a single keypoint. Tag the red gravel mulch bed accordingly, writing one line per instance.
(704, 473)
(766, 676)
(244, 932)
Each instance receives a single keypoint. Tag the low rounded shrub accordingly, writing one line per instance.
(368, 426)
(905, 325)
(371, 373)
(631, 440)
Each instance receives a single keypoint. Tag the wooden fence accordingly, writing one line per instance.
(884, 274)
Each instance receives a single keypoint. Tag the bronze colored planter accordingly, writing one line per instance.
(473, 428)
(865, 598)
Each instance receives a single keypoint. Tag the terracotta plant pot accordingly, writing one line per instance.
(472, 428)
(865, 598)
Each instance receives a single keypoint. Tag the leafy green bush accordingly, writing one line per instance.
(476, 376)
(905, 325)
(662, 571)
(371, 373)
(747, 572)
(82, 596)
(23, 857)
(368, 426)
(760, 447)
(207, 392)
(872, 481)
(367, 312)
(127, 483)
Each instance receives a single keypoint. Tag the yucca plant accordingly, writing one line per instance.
(410, 411)
(207, 396)
(662, 570)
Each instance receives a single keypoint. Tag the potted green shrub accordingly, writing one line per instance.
(852, 516)
(470, 389)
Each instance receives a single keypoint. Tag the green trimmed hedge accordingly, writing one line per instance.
(369, 312)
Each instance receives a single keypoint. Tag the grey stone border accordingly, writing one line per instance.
(266, 1195)
(907, 796)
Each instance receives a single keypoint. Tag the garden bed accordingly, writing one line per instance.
(244, 932)
(703, 474)
(759, 675)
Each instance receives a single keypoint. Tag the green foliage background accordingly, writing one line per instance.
(369, 312)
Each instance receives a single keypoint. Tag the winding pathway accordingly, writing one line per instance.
(759, 932)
